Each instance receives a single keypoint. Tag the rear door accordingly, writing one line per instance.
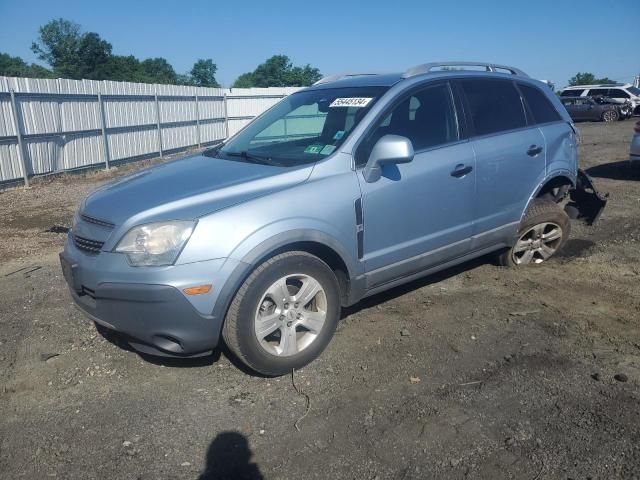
(559, 138)
(510, 158)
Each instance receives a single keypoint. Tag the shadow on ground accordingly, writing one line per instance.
(229, 458)
(621, 170)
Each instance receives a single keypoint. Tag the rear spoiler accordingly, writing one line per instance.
(585, 202)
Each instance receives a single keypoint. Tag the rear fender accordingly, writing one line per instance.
(585, 202)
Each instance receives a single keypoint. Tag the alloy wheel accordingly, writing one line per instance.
(537, 244)
(290, 315)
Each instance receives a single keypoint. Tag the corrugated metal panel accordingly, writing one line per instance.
(61, 122)
(42, 155)
(133, 143)
(82, 150)
(7, 127)
(9, 161)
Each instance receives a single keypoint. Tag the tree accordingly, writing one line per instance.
(203, 73)
(587, 78)
(278, 71)
(244, 81)
(157, 70)
(71, 53)
(17, 67)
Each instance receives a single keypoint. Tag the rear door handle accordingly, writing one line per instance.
(461, 170)
(534, 150)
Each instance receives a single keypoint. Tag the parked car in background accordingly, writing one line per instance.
(587, 108)
(342, 190)
(618, 92)
(634, 154)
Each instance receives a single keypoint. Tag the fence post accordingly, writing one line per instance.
(23, 161)
(226, 117)
(198, 121)
(103, 127)
(159, 126)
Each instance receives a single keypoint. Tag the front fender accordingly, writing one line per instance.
(263, 242)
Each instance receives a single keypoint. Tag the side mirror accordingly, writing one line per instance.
(390, 149)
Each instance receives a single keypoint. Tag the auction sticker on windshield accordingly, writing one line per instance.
(359, 102)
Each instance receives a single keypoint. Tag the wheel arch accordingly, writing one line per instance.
(557, 180)
(316, 243)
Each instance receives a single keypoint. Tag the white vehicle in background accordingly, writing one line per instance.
(618, 92)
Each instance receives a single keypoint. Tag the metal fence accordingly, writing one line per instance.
(56, 125)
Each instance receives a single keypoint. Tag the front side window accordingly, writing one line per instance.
(539, 105)
(495, 105)
(303, 128)
(426, 117)
(634, 90)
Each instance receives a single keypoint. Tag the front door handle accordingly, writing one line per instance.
(534, 150)
(461, 170)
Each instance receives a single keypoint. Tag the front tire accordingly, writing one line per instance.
(543, 232)
(284, 314)
(610, 116)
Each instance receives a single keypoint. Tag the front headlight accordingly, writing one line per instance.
(155, 244)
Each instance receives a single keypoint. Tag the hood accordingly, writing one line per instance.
(187, 189)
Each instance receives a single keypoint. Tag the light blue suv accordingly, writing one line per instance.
(340, 191)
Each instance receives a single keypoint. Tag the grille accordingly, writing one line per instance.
(88, 245)
(96, 221)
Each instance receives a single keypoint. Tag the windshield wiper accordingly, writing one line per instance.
(213, 151)
(250, 157)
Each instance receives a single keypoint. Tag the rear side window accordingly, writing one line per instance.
(495, 105)
(539, 105)
(618, 93)
(572, 93)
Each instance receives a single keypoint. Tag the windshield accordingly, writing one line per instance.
(303, 128)
(635, 91)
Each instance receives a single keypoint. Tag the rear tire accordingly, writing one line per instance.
(284, 314)
(542, 233)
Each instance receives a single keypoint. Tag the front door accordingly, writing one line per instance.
(418, 214)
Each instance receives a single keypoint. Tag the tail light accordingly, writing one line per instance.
(637, 127)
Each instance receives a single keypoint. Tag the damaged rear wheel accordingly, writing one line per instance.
(544, 230)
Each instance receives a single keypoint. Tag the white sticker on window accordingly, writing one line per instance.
(359, 102)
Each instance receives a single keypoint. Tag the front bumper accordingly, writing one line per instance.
(147, 304)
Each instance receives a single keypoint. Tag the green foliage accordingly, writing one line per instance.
(278, 71)
(72, 53)
(587, 78)
(203, 73)
(16, 67)
(75, 54)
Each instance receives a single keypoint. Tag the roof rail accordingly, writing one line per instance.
(340, 76)
(599, 85)
(490, 67)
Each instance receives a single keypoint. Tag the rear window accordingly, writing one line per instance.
(495, 105)
(572, 93)
(539, 105)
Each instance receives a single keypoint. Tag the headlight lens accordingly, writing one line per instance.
(155, 244)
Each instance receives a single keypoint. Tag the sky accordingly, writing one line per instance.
(550, 40)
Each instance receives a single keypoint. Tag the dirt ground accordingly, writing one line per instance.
(478, 372)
